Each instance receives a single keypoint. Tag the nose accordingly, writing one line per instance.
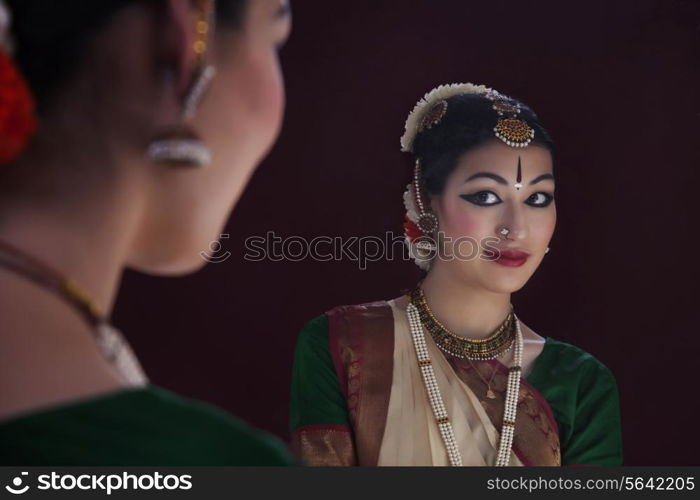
(514, 221)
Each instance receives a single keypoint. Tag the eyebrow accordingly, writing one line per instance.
(501, 180)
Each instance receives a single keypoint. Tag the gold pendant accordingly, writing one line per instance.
(490, 394)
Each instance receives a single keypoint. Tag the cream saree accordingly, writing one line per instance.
(410, 413)
(389, 416)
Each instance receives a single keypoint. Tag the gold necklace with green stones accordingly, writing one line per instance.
(491, 347)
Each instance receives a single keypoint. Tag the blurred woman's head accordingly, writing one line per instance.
(109, 76)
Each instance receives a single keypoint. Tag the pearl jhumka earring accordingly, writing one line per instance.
(181, 146)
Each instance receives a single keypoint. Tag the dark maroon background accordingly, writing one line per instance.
(615, 81)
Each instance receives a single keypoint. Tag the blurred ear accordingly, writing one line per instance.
(176, 42)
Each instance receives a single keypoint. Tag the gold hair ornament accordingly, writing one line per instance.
(427, 221)
(434, 115)
(514, 131)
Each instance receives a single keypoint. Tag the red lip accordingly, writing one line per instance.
(514, 254)
(507, 257)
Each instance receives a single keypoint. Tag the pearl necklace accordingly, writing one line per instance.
(438, 406)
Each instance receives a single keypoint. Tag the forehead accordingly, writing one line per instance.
(497, 157)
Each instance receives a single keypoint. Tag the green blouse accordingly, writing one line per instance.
(144, 426)
(581, 391)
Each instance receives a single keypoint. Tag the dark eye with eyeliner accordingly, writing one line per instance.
(489, 198)
(540, 200)
(482, 198)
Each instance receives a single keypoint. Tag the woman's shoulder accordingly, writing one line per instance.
(312, 342)
(563, 359)
(148, 425)
(571, 352)
(315, 331)
(365, 308)
(584, 398)
(321, 338)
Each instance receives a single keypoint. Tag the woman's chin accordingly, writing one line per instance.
(504, 288)
(170, 265)
(504, 281)
(514, 283)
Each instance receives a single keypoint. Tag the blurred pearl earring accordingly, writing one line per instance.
(197, 92)
(547, 251)
(181, 146)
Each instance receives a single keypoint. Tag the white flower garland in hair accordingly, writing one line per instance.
(431, 98)
(409, 201)
(428, 101)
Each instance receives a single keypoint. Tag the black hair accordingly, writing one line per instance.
(50, 35)
(467, 124)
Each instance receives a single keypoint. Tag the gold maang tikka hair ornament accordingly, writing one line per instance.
(514, 131)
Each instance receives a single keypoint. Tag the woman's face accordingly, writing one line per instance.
(241, 117)
(480, 198)
(239, 120)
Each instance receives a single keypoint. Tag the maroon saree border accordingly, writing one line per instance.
(333, 318)
(324, 427)
(543, 403)
(523, 459)
(361, 338)
(539, 397)
(324, 445)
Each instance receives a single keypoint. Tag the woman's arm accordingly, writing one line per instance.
(596, 436)
(321, 431)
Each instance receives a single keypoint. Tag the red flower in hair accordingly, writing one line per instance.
(17, 121)
(411, 229)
